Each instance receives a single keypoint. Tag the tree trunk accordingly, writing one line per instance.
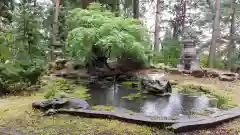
(215, 35)
(136, 9)
(157, 26)
(25, 24)
(55, 28)
(115, 7)
(84, 3)
(179, 20)
(231, 42)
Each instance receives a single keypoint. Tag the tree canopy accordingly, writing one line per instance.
(97, 26)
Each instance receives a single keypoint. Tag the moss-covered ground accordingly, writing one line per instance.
(16, 113)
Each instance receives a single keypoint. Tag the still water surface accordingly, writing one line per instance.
(173, 105)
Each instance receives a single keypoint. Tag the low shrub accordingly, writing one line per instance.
(16, 77)
(218, 62)
(169, 55)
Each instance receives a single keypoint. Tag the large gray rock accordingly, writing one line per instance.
(228, 77)
(61, 103)
(156, 82)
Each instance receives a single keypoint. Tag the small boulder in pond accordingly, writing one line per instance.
(156, 82)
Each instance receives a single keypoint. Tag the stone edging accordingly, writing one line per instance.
(210, 121)
(177, 125)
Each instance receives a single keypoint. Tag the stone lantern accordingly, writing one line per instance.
(189, 59)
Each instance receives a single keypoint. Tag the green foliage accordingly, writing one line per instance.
(204, 61)
(130, 84)
(218, 62)
(59, 85)
(16, 77)
(99, 27)
(28, 38)
(170, 53)
(22, 47)
(5, 40)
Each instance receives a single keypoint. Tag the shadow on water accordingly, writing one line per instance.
(173, 105)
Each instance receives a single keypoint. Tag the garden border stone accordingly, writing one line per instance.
(210, 121)
(179, 125)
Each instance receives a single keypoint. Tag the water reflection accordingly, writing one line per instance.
(201, 103)
(175, 104)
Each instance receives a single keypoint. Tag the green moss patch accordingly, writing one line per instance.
(225, 98)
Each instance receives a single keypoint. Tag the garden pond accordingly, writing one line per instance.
(137, 101)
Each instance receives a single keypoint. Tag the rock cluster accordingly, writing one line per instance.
(66, 69)
(205, 72)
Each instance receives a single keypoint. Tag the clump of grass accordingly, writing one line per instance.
(81, 92)
(226, 99)
(197, 114)
(94, 107)
(174, 118)
(130, 84)
(159, 118)
(103, 108)
(190, 91)
(133, 96)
